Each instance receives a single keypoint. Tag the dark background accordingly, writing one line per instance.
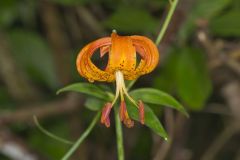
(200, 66)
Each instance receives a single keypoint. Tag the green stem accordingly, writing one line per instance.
(82, 137)
(117, 120)
(48, 133)
(119, 135)
(173, 4)
(166, 22)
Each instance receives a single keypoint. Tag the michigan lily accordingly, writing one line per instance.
(122, 65)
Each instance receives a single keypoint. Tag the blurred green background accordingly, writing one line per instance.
(200, 66)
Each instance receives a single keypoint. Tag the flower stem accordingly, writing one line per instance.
(119, 135)
(82, 137)
(173, 5)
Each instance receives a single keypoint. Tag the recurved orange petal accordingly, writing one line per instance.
(85, 66)
(122, 55)
(148, 52)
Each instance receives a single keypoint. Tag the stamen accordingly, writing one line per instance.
(129, 97)
(105, 114)
(117, 91)
(128, 122)
(141, 111)
(107, 122)
(120, 79)
(122, 110)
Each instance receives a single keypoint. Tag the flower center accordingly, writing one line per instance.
(121, 88)
(121, 91)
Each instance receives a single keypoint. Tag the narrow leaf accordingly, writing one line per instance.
(50, 134)
(151, 119)
(94, 104)
(82, 137)
(226, 25)
(86, 88)
(31, 52)
(154, 96)
(193, 81)
(201, 9)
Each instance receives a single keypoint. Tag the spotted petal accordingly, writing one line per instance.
(122, 52)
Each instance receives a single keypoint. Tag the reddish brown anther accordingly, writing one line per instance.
(141, 111)
(128, 122)
(124, 115)
(107, 122)
(122, 110)
(105, 114)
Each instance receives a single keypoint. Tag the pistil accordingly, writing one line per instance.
(123, 91)
(123, 114)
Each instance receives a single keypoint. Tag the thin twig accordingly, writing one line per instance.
(82, 137)
(231, 94)
(87, 18)
(213, 49)
(56, 107)
(50, 134)
(219, 142)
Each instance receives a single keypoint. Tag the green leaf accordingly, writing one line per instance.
(129, 19)
(227, 24)
(31, 51)
(165, 80)
(94, 104)
(86, 88)
(8, 12)
(151, 120)
(154, 96)
(5, 99)
(201, 9)
(193, 81)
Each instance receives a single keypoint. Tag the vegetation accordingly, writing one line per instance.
(191, 99)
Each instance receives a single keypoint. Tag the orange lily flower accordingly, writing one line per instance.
(122, 64)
